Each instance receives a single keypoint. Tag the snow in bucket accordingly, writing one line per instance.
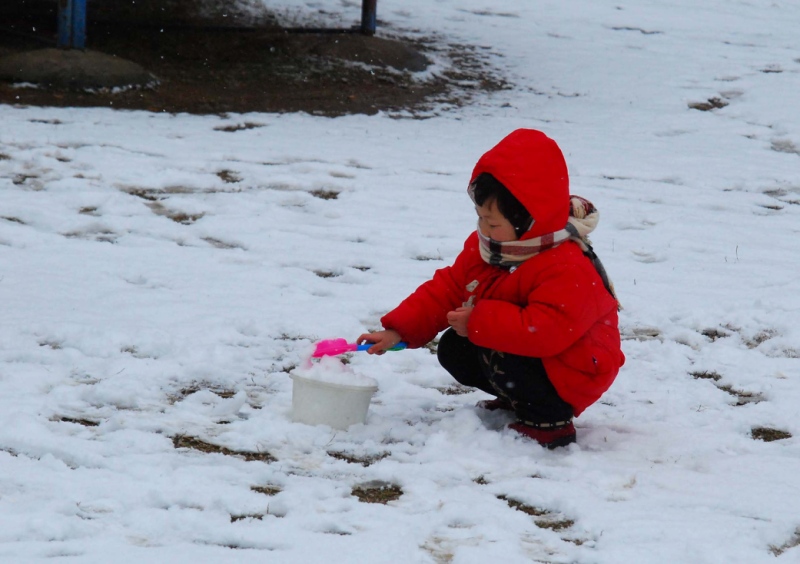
(330, 393)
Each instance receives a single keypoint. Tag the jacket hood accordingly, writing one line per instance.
(532, 167)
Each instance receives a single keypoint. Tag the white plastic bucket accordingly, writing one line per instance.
(325, 403)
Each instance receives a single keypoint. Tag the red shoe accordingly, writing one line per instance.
(495, 404)
(549, 438)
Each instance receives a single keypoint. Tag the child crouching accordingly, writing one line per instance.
(532, 316)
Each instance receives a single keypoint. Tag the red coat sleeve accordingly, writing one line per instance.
(560, 309)
(423, 314)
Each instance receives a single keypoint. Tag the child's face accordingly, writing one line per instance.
(494, 224)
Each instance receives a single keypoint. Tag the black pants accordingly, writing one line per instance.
(521, 380)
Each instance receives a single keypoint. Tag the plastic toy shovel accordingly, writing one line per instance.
(332, 347)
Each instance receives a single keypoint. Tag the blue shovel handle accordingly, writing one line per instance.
(398, 347)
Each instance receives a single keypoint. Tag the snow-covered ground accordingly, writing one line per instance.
(160, 276)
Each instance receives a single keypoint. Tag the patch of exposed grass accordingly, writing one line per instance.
(706, 375)
(714, 334)
(4, 157)
(377, 492)
(134, 351)
(791, 353)
(776, 193)
(760, 337)
(455, 390)
(185, 441)
(155, 194)
(288, 337)
(326, 273)
(768, 434)
(576, 542)
(79, 421)
(14, 220)
(266, 490)
(546, 519)
(471, 72)
(480, 480)
(47, 121)
(194, 388)
(242, 517)
(185, 218)
(437, 548)
(89, 210)
(743, 398)
(364, 460)
(433, 346)
(99, 235)
(229, 176)
(554, 524)
(642, 334)
(239, 127)
(178, 217)
(791, 543)
(221, 392)
(20, 179)
(714, 103)
(220, 244)
(639, 29)
(325, 194)
(785, 146)
(143, 193)
(525, 508)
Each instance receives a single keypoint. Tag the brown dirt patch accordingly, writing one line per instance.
(377, 492)
(364, 460)
(193, 443)
(546, 518)
(266, 490)
(216, 64)
(767, 434)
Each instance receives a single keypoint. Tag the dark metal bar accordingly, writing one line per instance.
(369, 17)
(64, 24)
(79, 24)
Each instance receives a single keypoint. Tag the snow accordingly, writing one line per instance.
(124, 329)
(332, 370)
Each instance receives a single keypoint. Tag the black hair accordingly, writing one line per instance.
(486, 188)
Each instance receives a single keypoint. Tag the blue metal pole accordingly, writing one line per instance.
(79, 24)
(72, 24)
(64, 24)
(369, 17)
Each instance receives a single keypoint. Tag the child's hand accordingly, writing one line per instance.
(382, 340)
(458, 320)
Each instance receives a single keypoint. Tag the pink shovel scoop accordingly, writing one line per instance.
(333, 347)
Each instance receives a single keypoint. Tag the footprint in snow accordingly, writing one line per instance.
(640, 225)
(648, 257)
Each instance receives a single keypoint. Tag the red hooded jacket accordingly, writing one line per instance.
(554, 306)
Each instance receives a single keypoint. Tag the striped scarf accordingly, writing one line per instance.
(583, 219)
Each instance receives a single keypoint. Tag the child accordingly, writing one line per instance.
(532, 317)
